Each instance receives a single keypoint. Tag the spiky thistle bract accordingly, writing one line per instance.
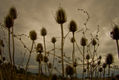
(61, 16)
(72, 26)
(33, 35)
(8, 21)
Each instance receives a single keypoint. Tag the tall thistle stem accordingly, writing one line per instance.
(45, 52)
(117, 47)
(10, 57)
(44, 45)
(73, 52)
(53, 58)
(108, 70)
(13, 45)
(27, 64)
(83, 61)
(104, 74)
(62, 49)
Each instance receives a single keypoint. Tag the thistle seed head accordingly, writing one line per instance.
(8, 21)
(53, 40)
(83, 41)
(33, 35)
(43, 32)
(13, 12)
(60, 16)
(72, 26)
(39, 48)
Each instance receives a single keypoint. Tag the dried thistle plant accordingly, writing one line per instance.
(61, 19)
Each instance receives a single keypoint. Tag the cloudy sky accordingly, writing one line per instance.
(35, 14)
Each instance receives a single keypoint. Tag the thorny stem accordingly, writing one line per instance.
(27, 64)
(62, 49)
(9, 46)
(73, 53)
(13, 45)
(117, 47)
(45, 51)
(83, 61)
(53, 58)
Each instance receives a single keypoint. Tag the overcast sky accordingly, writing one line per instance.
(35, 14)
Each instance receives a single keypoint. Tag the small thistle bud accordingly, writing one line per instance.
(72, 40)
(53, 40)
(13, 12)
(87, 56)
(115, 32)
(43, 32)
(100, 69)
(84, 70)
(39, 48)
(39, 58)
(60, 16)
(100, 57)
(33, 35)
(75, 64)
(109, 59)
(72, 26)
(46, 59)
(104, 65)
(83, 41)
(69, 70)
(49, 65)
(94, 42)
(99, 62)
(8, 21)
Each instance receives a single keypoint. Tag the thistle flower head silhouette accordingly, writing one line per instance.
(109, 59)
(8, 21)
(46, 59)
(39, 57)
(94, 42)
(87, 56)
(100, 69)
(115, 32)
(72, 26)
(100, 57)
(83, 41)
(49, 65)
(72, 40)
(33, 35)
(60, 16)
(39, 48)
(99, 62)
(104, 65)
(43, 32)
(75, 64)
(13, 12)
(53, 40)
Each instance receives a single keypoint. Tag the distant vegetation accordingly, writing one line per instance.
(91, 62)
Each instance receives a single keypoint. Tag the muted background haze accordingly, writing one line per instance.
(35, 14)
